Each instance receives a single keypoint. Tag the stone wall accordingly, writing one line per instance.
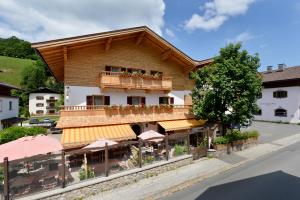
(101, 184)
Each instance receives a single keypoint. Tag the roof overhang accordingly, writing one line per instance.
(55, 52)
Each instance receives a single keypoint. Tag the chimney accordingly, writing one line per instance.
(269, 69)
(281, 67)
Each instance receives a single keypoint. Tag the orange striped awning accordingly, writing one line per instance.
(176, 125)
(81, 136)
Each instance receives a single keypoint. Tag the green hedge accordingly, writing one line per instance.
(15, 132)
(234, 136)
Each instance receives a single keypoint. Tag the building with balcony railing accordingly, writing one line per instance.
(130, 77)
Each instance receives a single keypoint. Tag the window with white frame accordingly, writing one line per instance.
(280, 94)
(280, 112)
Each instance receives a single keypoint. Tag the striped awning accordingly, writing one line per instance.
(176, 125)
(81, 136)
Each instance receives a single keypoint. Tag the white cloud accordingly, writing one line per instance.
(243, 37)
(216, 12)
(170, 33)
(37, 20)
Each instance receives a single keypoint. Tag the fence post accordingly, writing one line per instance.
(106, 160)
(167, 145)
(140, 153)
(63, 174)
(6, 178)
(188, 142)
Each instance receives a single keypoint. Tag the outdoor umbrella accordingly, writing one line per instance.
(29, 146)
(152, 136)
(101, 143)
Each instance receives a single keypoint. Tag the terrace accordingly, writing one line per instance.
(125, 80)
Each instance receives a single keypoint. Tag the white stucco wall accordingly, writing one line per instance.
(268, 104)
(33, 101)
(5, 113)
(76, 95)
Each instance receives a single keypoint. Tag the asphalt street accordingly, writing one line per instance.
(274, 176)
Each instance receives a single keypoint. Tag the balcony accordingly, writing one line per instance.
(79, 116)
(123, 80)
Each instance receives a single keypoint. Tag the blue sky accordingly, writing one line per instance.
(197, 27)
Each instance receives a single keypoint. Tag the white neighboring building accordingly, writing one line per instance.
(42, 102)
(280, 99)
(9, 106)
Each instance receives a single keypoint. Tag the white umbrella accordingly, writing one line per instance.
(101, 143)
(151, 136)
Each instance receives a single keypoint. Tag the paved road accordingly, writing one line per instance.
(274, 131)
(274, 176)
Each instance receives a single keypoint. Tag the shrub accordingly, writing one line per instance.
(179, 150)
(221, 140)
(252, 134)
(90, 173)
(235, 135)
(15, 132)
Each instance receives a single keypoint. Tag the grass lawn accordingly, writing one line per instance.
(11, 69)
(40, 118)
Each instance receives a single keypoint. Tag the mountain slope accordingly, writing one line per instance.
(11, 69)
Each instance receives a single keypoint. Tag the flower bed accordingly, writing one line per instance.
(235, 141)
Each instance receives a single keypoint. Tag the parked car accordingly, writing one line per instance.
(55, 130)
(33, 121)
(47, 120)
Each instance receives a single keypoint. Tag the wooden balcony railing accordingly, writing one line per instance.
(78, 116)
(134, 81)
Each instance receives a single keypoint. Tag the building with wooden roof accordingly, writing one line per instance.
(280, 99)
(120, 81)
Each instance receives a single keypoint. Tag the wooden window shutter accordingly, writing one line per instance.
(89, 100)
(143, 71)
(160, 100)
(123, 69)
(107, 68)
(106, 100)
(129, 70)
(143, 100)
(129, 100)
(172, 100)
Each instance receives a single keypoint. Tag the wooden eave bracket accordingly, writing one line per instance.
(108, 44)
(140, 38)
(166, 55)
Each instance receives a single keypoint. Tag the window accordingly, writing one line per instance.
(51, 98)
(153, 73)
(39, 112)
(280, 94)
(258, 112)
(97, 100)
(39, 105)
(280, 112)
(0, 105)
(10, 105)
(39, 98)
(166, 100)
(133, 100)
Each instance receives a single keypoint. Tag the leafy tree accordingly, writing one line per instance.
(226, 91)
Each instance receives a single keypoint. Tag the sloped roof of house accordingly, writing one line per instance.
(289, 73)
(6, 85)
(54, 52)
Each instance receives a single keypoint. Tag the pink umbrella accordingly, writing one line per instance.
(151, 136)
(101, 143)
(29, 146)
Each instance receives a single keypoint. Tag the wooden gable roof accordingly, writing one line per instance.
(55, 52)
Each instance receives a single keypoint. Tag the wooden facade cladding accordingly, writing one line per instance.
(140, 81)
(81, 116)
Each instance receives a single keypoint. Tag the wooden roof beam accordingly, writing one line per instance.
(108, 44)
(65, 50)
(140, 38)
(166, 55)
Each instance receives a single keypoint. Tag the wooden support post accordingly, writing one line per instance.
(207, 135)
(106, 160)
(63, 172)
(6, 178)
(188, 142)
(167, 145)
(140, 153)
(85, 166)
